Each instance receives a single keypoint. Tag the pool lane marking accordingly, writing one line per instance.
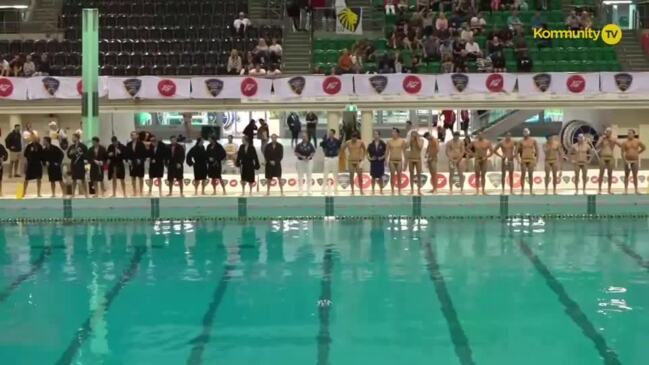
(324, 305)
(630, 252)
(573, 309)
(34, 268)
(85, 330)
(458, 337)
(199, 342)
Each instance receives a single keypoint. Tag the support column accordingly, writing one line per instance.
(90, 73)
(367, 126)
(333, 121)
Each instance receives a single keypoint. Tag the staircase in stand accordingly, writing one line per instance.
(630, 53)
(297, 52)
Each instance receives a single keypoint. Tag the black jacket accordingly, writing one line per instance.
(14, 141)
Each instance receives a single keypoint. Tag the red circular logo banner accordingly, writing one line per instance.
(167, 88)
(6, 87)
(249, 87)
(412, 84)
(332, 85)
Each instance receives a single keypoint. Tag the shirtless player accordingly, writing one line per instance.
(605, 148)
(396, 149)
(482, 150)
(431, 159)
(632, 148)
(356, 152)
(413, 154)
(455, 154)
(554, 156)
(528, 150)
(581, 154)
(508, 149)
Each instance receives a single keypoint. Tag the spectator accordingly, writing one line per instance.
(16, 66)
(466, 33)
(345, 62)
(249, 60)
(494, 46)
(573, 21)
(427, 22)
(390, 6)
(445, 49)
(431, 48)
(415, 63)
(44, 66)
(274, 71)
(495, 5)
(4, 67)
(498, 61)
(478, 23)
(293, 11)
(585, 21)
(520, 45)
(235, 63)
(386, 64)
(403, 5)
(459, 57)
(463, 8)
(29, 68)
(537, 20)
(275, 50)
(520, 5)
(514, 22)
(242, 23)
(524, 63)
(472, 49)
(447, 64)
(261, 51)
(398, 63)
(455, 23)
(441, 24)
(257, 70)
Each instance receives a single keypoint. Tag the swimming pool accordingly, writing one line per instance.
(384, 291)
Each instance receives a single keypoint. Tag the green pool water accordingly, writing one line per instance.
(326, 292)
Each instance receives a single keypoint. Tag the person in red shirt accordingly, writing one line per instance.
(465, 118)
(345, 62)
(448, 118)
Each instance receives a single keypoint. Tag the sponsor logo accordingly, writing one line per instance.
(332, 85)
(460, 81)
(379, 83)
(495, 83)
(349, 18)
(249, 87)
(297, 84)
(6, 87)
(623, 81)
(51, 85)
(214, 86)
(610, 34)
(576, 83)
(542, 81)
(132, 86)
(412, 84)
(167, 88)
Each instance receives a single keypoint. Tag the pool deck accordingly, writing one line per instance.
(318, 206)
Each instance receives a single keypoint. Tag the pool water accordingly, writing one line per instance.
(522, 291)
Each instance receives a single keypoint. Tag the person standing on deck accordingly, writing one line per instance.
(14, 145)
(175, 162)
(304, 152)
(581, 155)
(395, 157)
(3, 157)
(34, 169)
(606, 147)
(197, 158)
(414, 147)
(455, 151)
(632, 148)
(528, 151)
(356, 152)
(431, 159)
(97, 156)
(215, 156)
(506, 150)
(116, 171)
(376, 153)
(78, 155)
(331, 148)
(248, 162)
(136, 155)
(312, 126)
(273, 154)
(482, 151)
(554, 157)
(53, 160)
(156, 153)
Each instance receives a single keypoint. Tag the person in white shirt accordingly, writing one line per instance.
(4, 67)
(257, 71)
(29, 68)
(56, 134)
(234, 63)
(472, 49)
(275, 50)
(466, 33)
(241, 23)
